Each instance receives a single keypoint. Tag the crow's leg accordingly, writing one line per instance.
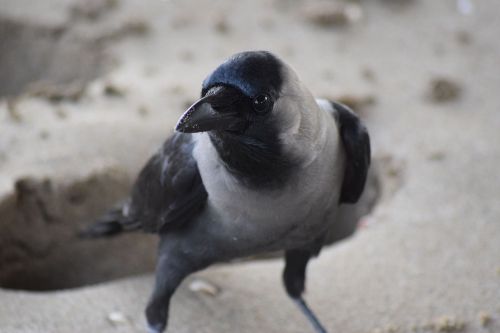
(294, 278)
(171, 268)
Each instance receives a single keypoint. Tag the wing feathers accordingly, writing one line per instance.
(356, 142)
(167, 194)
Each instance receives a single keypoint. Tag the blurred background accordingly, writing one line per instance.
(90, 89)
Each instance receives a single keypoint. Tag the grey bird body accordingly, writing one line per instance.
(260, 166)
(252, 219)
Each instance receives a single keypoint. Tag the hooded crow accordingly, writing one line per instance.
(256, 165)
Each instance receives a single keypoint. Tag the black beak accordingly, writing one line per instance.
(217, 110)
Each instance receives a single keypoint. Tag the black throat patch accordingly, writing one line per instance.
(256, 159)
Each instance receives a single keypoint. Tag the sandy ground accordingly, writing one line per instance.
(428, 258)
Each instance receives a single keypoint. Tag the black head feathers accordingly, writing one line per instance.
(253, 73)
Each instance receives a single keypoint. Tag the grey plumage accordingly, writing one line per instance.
(259, 166)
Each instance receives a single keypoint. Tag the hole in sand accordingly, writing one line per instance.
(39, 249)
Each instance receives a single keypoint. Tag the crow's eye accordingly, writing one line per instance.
(262, 104)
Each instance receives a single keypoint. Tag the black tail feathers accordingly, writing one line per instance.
(112, 223)
(101, 229)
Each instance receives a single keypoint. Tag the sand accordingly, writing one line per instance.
(427, 257)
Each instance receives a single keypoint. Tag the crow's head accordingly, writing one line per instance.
(253, 102)
(239, 93)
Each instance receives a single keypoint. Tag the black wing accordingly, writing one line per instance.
(356, 143)
(167, 194)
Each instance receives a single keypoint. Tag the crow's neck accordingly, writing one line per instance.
(256, 162)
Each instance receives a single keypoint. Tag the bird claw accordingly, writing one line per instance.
(317, 325)
(158, 328)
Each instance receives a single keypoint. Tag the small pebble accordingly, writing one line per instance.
(448, 324)
(329, 14)
(117, 318)
(204, 287)
(112, 90)
(444, 90)
(137, 27)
